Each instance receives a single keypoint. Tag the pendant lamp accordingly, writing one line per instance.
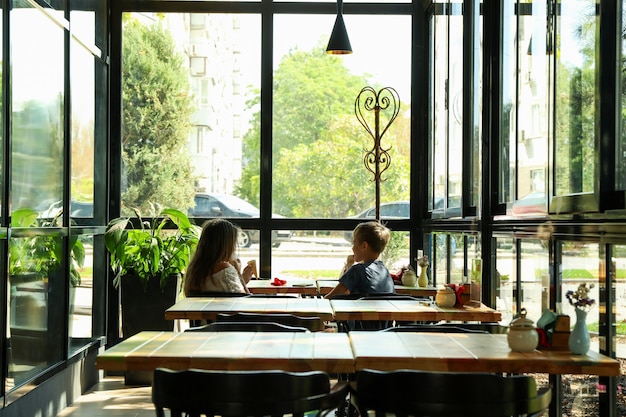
(339, 43)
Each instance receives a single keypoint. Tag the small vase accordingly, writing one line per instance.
(409, 278)
(579, 341)
(422, 281)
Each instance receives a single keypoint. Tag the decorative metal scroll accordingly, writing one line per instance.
(377, 160)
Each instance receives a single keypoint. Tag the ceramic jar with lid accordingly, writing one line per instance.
(409, 279)
(445, 297)
(523, 336)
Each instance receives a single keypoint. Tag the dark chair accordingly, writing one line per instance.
(198, 323)
(356, 325)
(312, 323)
(249, 326)
(282, 295)
(244, 393)
(433, 394)
(217, 294)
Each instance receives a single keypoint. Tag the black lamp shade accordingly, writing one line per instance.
(339, 43)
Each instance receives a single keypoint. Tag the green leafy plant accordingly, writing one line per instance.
(151, 250)
(42, 253)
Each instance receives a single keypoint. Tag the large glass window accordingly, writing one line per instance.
(190, 86)
(318, 145)
(37, 283)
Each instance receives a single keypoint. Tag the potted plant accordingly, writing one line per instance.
(148, 261)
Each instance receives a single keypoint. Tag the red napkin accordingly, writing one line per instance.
(279, 282)
(458, 290)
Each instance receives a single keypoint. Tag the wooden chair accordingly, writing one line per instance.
(245, 393)
(250, 326)
(438, 394)
(313, 323)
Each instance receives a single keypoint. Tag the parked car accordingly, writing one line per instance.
(224, 205)
(394, 210)
(533, 203)
(77, 209)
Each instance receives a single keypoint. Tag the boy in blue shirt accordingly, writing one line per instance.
(368, 274)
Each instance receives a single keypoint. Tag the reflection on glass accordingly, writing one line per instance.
(37, 109)
(457, 261)
(621, 139)
(619, 266)
(192, 141)
(506, 278)
(82, 70)
(455, 107)
(81, 299)
(533, 103)
(318, 142)
(36, 283)
(534, 278)
(575, 97)
(438, 126)
(507, 118)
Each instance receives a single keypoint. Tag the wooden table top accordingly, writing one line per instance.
(407, 310)
(343, 353)
(297, 352)
(207, 308)
(293, 286)
(460, 352)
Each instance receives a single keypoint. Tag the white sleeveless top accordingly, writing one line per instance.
(226, 280)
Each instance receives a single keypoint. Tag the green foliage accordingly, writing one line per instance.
(398, 245)
(42, 253)
(151, 250)
(157, 114)
(318, 144)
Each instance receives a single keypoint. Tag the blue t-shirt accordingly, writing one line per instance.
(367, 278)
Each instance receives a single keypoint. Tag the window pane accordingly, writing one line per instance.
(575, 102)
(83, 75)
(507, 119)
(533, 110)
(534, 278)
(37, 109)
(438, 127)
(37, 286)
(318, 143)
(184, 120)
(506, 278)
(620, 147)
(455, 107)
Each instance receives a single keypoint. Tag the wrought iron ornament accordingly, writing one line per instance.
(378, 159)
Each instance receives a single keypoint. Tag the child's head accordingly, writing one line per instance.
(374, 233)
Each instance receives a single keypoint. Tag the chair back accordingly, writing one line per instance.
(312, 323)
(244, 393)
(438, 394)
(431, 328)
(249, 326)
(216, 294)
